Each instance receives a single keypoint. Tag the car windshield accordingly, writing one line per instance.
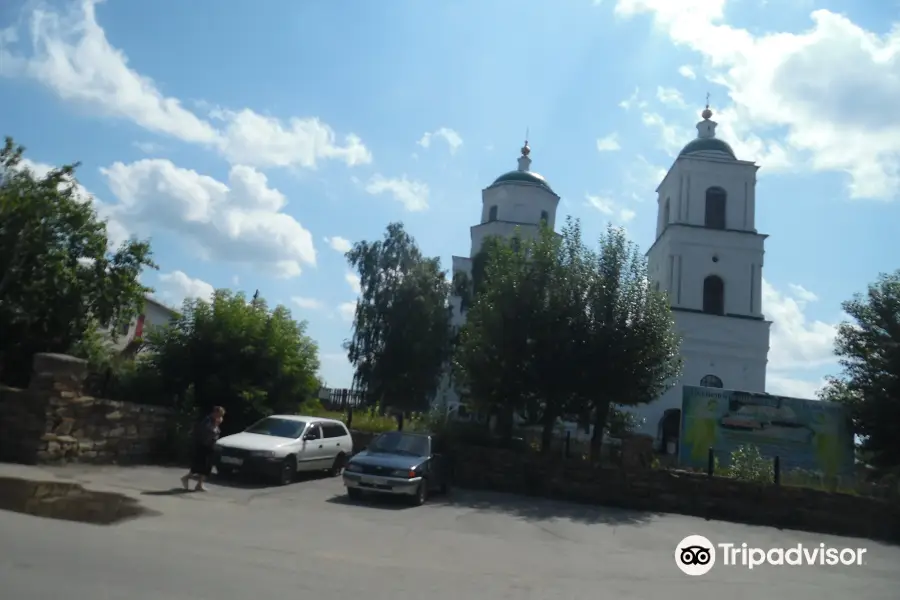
(283, 428)
(401, 443)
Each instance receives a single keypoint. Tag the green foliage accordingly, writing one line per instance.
(401, 328)
(57, 277)
(234, 353)
(747, 464)
(556, 328)
(869, 351)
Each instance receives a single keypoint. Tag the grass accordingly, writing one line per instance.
(367, 420)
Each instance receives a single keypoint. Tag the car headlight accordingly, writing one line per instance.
(352, 467)
(263, 453)
(407, 473)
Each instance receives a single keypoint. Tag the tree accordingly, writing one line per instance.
(58, 278)
(233, 353)
(558, 329)
(492, 365)
(401, 327)
(631, 354)
(869, 351)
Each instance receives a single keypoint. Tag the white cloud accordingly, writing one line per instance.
(610, 208)
(352, 280)
(239, 222)
(413, 195)
(306, 303)
(347, 310)
(801, 293)
(793, 388)
(633, 101)
(609, 143)
(687, 71)
(803, 87)
(339, 244)
(450, 137)
(796, 342)
(641, 178)
(148, 147)
(176, 287)
(669, 96)
(71, 55)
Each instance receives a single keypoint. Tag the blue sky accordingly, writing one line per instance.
(250, 140)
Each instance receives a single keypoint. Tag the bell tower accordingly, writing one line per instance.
(708, 258)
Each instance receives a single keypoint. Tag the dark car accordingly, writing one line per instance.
(399, 463)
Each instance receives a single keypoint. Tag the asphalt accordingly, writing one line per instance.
(247, 542)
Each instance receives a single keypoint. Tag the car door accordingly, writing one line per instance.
(310, 456)
(331, 443)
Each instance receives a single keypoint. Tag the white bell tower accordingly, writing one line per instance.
(708, 258)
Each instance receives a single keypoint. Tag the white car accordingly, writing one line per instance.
(280, 446)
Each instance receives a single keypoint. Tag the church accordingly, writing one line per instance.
(707, 256)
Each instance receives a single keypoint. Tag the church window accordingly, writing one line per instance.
(714, 295)
(711, 381)
(666, 214)
(492, 213)
(545, 217)
(715, 208)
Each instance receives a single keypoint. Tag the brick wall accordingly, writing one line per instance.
(53, 422)
(678, 492)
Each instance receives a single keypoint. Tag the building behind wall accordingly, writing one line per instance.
(518, 201)
(155, 314)
(708, 258)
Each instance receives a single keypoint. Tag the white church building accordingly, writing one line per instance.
(707, 256)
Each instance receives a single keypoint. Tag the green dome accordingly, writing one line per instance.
(710, 144)
(523, 177)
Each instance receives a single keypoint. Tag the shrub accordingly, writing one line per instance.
(747, 464)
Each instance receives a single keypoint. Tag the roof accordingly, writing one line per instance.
(304, 418)
(709, 144)
(523, 177)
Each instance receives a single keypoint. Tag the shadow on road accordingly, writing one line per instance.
(383, 502)
(175, 491)
(538, 509)
(67, 502)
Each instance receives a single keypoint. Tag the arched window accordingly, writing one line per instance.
(715, 208)
(545, 217)
(714, 295)
(492, 213)
(711, 381)
(666, 214)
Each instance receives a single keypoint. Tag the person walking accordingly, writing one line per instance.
(205, 436)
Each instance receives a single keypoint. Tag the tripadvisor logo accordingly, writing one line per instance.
(696, 555)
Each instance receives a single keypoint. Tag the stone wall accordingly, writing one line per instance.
(678, 492)
(52, 422)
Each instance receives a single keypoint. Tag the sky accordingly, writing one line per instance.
(254, 142)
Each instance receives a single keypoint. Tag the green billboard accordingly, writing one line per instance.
(805, 434)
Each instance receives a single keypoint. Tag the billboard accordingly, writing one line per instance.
(805, 434)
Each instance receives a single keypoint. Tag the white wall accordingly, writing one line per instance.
(685, 185)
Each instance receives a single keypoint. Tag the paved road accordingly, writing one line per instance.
(306, 540)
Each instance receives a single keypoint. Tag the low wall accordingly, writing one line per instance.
(678, 492)
(52, 422)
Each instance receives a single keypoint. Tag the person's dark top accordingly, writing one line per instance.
(207, 432)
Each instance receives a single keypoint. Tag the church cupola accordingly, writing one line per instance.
(523, 174)
(707, 144)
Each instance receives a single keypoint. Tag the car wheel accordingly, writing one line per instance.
(288, 471)
(338, 465)
(354, 493)
(421, 496)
